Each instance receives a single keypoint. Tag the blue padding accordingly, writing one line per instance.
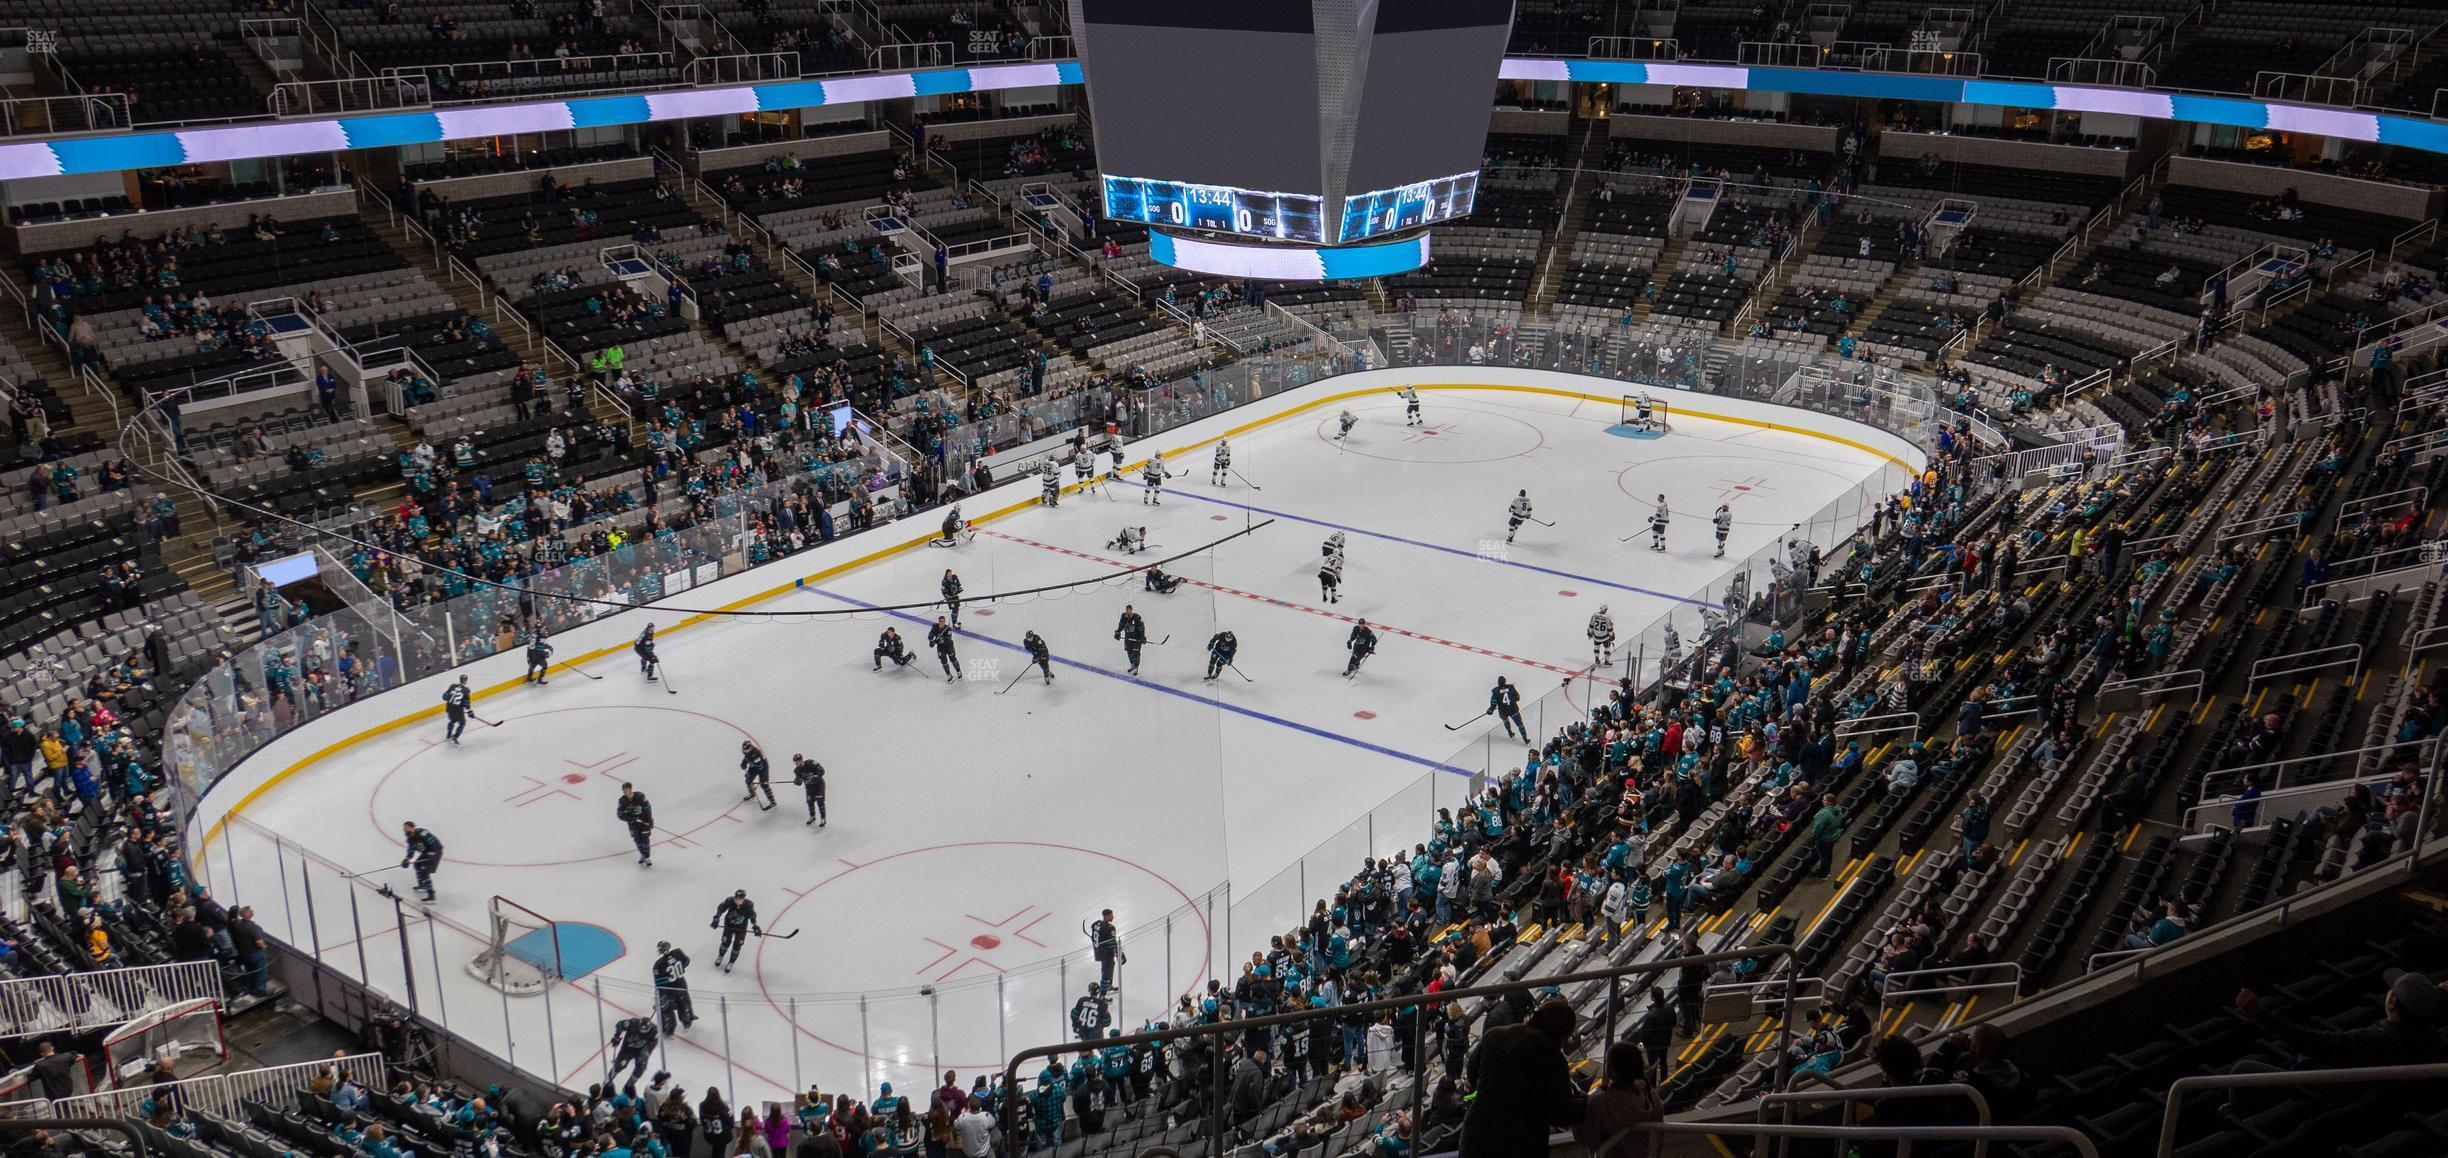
(950, 80)
(2215, 111)
(1375, 260)
(798, 94)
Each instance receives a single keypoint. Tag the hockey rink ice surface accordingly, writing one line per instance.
(937, 922)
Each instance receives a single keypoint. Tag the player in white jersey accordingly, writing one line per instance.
(1725, 526)
(1411, 411)
(1344, 424)
(1602, 637)
(1330, 568)
(1223, 461)
(1049, 479)
(1517, 514)
(1153, 474)
(1657, 525)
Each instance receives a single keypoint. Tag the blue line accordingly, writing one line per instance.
(1168, 689)
(1684, 599)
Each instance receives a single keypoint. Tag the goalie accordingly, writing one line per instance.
(1645, 415)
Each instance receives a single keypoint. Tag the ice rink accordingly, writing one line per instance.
(936, 922)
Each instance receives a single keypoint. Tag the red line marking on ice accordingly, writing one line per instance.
(948, 951)
(844, 860)
(1022, 931)
(1289, 605)
(955, 972)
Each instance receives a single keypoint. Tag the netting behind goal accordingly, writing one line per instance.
(523, 955)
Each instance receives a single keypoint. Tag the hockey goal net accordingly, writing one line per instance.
(522, 955)
(1631, 413)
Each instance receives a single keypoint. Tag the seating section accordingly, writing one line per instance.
(499, 50)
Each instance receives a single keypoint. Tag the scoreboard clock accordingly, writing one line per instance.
(1216, 208)
(1385, 211)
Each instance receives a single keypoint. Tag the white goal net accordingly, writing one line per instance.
(523, 955)
(1632, 413)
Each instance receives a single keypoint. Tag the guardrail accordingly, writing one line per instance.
(1890, 995)
(2415, 496)
(2297, 663)
(2217, 781)
(2197, 820)
(742, 68)
(93, 112)
(1888, 724)
(2173, 1104)
(227, 1094)
(77, 1002)
(2127, 694)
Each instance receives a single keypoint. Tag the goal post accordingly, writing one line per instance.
(522, 954)
(1630, 416)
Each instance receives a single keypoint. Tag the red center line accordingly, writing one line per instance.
(1568, 673)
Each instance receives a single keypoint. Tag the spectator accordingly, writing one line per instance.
(1523, 1087)
(1627, 1100)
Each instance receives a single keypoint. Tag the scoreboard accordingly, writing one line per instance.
(1327, 122)
(1367, 215)
(1217, 208)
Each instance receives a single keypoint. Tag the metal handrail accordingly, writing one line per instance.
(1791, 1098)
(1414, 1002)
(2190, 679)
(2173, 1104)
(1889, 994)
(1849, 728)
(2351, 656)
(1905, 1136)
(2280, 797)
(2212, 782)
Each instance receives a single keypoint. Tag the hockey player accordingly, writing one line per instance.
(1411, 411)
(1657, 525)
(954, 528)
(810, 776)
(1644, 413)
(757, 774)
(1330, 568)
(1049, 481)
(1602, 637)
(645, 649)
(1343, 425)
(736, 917)
(1505, 701)
(1040, 656)
(889, 646)
(672, 1004)
(1105, 944)
(1129, 541)
(1113, 447)
(1223, 461)
(1517, 514)
(633, 1042)
(1361, 641)
(1132, 631)
(939, 637)
(1673, 652)
(1221, 647)
(424, 852)
(1724, 521)
(1159, 582)
(1090, 1016)
(455, 709)
(1153, 474)
(539, 658)
(952, 595)
(637, 812)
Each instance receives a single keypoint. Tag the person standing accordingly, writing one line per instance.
(1105, 939)
(637, 812)
(1522, 1087)
(455, 700)
(424, 852)
(1825, 828)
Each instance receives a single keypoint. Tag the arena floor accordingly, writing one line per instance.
(974, 831)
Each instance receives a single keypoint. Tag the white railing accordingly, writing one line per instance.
(2173, 1103)
(1880, 725)
(77, 1002)
(1890, 995)
(2275, 772)
(227, 1094)
(2298, 663)
(2214, 815)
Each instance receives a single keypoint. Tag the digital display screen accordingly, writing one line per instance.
(1220, 208)
(1387, 210)
(1208, 92)
(1289, 262)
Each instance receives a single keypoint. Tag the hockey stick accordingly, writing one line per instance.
(484, 721)
(1239, 672)
(780, 936)
(1016, 679)
(667, 683)
(1469, 722)
(1244, 479)
(370, 872)
(586, 673)
(1541, 522)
